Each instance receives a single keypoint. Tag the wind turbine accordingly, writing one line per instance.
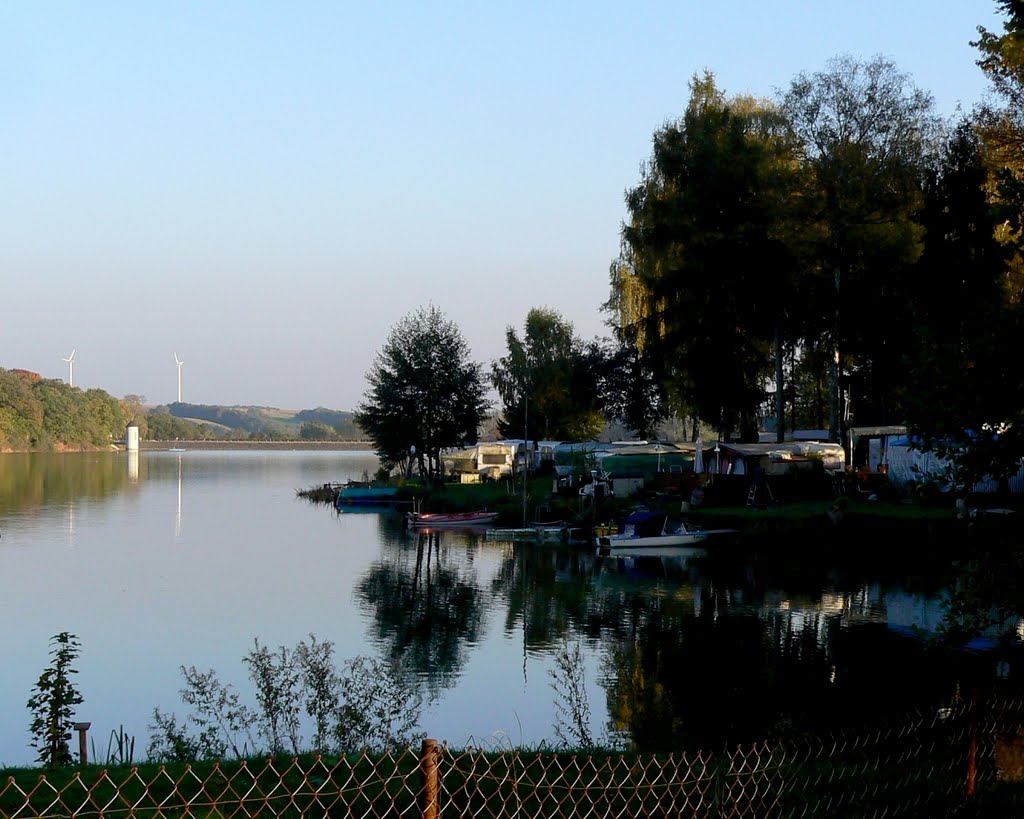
(71, 368)
(179, 362)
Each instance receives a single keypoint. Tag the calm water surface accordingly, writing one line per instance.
(183, 558)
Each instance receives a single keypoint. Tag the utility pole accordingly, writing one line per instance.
(526, 451)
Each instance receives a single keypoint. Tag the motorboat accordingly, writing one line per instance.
(650, 530)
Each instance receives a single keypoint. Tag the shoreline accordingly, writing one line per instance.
(163, 446)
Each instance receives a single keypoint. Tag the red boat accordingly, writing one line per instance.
(436, 519)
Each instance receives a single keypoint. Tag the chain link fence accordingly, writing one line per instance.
(955, 760)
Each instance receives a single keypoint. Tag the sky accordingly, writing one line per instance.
(265, 189)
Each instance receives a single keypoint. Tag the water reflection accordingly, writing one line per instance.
(426, 604)
(707, 652)
(177, 515)
(546, 592)
(694, 648)
(48, 481)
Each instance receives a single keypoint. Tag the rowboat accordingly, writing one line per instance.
(438, 519)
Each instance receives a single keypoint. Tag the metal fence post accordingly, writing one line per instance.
(972, 748)
(431, 780)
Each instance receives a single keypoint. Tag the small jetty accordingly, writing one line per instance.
(544, 533)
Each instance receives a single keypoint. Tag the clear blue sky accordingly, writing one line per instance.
(266, 188)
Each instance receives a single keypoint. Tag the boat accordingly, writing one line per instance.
(361, 493)
(446, 519)
(649, 530)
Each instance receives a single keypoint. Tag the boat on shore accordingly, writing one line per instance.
(361, 493)
(448, 519)
(650, 530)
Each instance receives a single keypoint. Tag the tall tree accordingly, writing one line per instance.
(864, 132)
(548, 381)
(1002, 131)
(425, 392)
(703, 263)
(965, 392)
(632, 392)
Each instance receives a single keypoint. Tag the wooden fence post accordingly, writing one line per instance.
(431, 781)
(83, 752)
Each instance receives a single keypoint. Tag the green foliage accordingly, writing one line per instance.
(276, 677)
(1002, 60)
(424, 392)
(986, 595)
(316, 431)
(965, 394)
(367, 704)
(47, 413)
(253, 420)
(864, 134)
(378, 706)
(342, 424)
(633, 395)
(321, 682)
(572, 710)
(37, 413)
(219, 717)
(698, 283)
(53, 702)
(21, 413)
(162, 426)
(549, 381)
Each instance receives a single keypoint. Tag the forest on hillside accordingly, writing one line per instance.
(39, 413)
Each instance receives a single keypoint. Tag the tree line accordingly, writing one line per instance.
(41, 414)
(835, 256)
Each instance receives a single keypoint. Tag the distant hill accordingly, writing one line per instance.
(270, 422)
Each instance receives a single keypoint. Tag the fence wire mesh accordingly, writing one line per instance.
(930, 764)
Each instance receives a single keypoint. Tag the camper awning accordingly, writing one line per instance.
(874, 432)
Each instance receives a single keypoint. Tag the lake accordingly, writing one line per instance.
(183, 558)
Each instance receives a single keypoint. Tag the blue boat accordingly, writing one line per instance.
(362, 494)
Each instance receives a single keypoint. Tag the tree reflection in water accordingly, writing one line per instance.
(548, 592)
(426, 607)
(692, 654)
(717, 658)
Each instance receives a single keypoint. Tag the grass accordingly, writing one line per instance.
(802, 510)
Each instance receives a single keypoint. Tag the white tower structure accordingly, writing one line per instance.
(179, 362)
(71, 368)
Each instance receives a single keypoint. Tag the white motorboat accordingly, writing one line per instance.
(647, 531)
